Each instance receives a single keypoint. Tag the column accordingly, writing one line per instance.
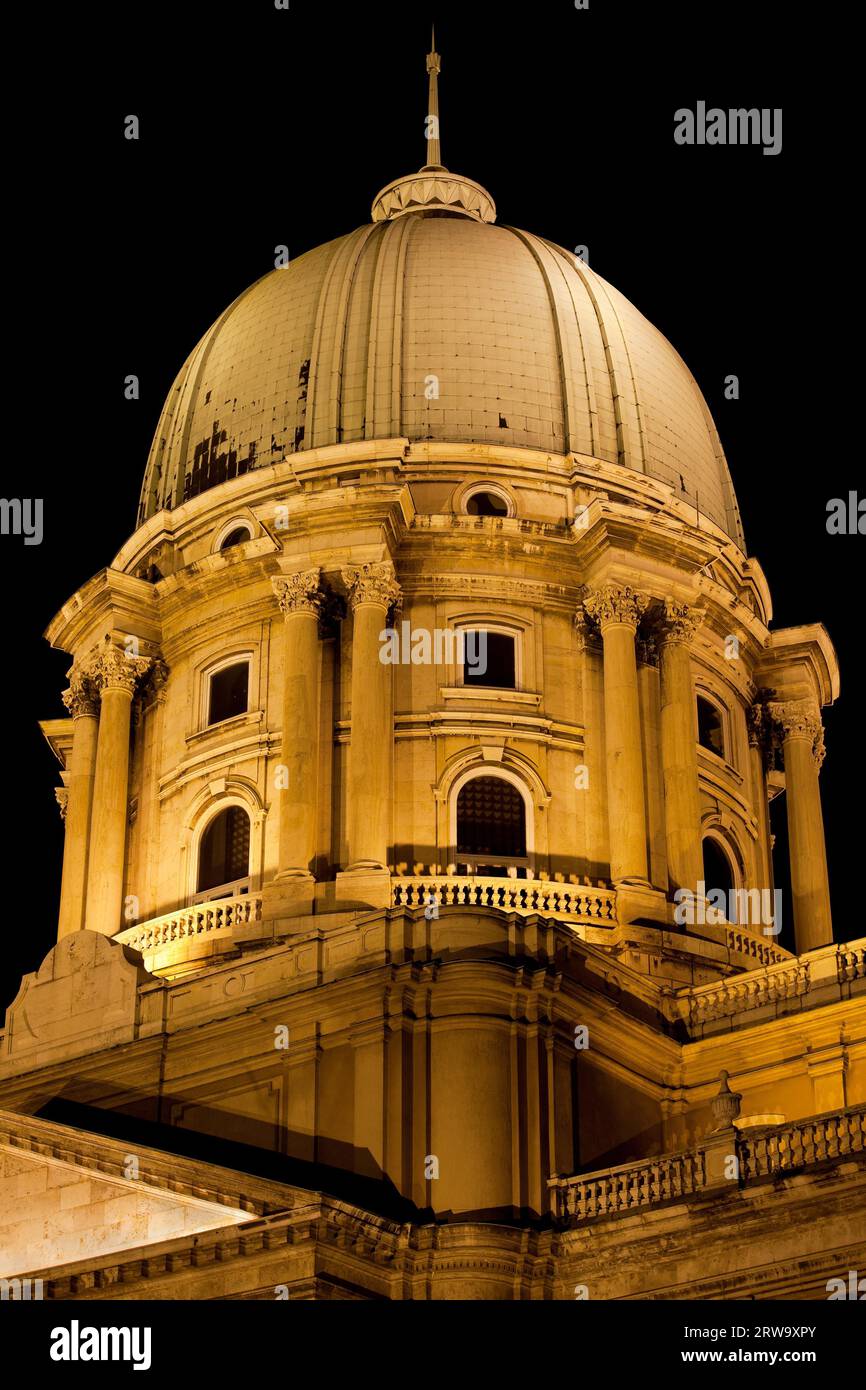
(803, 748)
(301, 600)
(372, 591)
(114, 673)
(678, 624)
(617, 610)
(82, 702)
(757, 723)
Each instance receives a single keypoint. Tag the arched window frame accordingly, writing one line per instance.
(731, 850)
(235, 524)
(495, 489)
(527, 862)
(206, 807)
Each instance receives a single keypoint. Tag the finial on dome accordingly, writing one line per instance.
(434, 190)
(434, 67)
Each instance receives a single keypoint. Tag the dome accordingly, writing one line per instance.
(434, 323)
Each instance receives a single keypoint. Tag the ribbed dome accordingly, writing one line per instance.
(528, 347)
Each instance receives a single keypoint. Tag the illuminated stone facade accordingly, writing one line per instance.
(280, 925)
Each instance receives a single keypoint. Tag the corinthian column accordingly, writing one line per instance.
(617, 611)
(758, 724)
(114, 674)
(372, 591)
(678, 625)
(301, 599)
(803, 748)
(82, 702)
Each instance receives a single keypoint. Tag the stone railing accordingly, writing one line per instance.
(791, 978)
(629, 1186)
(782, 1149)
(193, 921)
(851, 962)
(761, 1153)
(527, 895)
(745, 942)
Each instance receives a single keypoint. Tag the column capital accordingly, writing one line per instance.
(156, 681)
(615, 605)
(81, 698)
(300, 592)
(372, 583)
(678, 622)
(647, 650)
(112, 668)
(62, 797)
(800, 719)
(759, 724)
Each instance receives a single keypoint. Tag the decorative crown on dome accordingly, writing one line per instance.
(434, 189)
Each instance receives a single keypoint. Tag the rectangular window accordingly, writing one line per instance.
(490, 660)
(229, 692)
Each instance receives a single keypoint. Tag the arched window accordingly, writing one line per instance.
(486, 504)
(718, 871)
(224, 855)
(487, 500)
(236, 537)
(491, 827)
(711, 727)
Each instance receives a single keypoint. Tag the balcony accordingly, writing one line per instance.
(201, 919)
(572, 904)
(565, 901)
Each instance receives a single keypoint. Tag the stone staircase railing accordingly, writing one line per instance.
(791, 978)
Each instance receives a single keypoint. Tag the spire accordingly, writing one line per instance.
(434, 67)
(433, 191)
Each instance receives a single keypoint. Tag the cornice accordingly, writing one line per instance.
(111, 604)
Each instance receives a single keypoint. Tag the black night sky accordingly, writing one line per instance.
(262, 127)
